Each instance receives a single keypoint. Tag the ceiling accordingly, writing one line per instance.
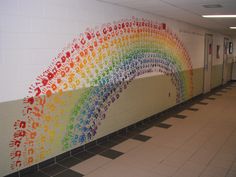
(189, 11)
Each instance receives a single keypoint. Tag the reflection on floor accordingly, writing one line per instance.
(198, 141)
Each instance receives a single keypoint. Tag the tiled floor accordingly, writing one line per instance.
(199, 141)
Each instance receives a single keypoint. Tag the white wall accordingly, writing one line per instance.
(33, 32)
(234, 48)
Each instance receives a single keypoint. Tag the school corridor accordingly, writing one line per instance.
(117, 88)
(197, 139)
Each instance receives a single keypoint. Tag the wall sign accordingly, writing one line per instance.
(218, 51)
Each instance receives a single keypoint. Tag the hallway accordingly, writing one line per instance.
(117, 88)
(199, 141)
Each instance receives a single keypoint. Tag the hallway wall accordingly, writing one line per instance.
(217, 62)
(73, 110)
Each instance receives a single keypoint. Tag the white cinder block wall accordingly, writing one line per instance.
(32, 32)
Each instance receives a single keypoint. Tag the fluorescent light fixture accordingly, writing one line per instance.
(219, 16)
(232, 27)
(212, 6)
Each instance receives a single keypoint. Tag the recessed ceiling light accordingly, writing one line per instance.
(219, 16)
(212, 6)
(232, 27)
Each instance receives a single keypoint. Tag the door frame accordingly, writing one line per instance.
(225, 60)
(206, 67)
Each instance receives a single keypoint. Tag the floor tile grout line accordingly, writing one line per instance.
(60, 172)
(228, 171)
(141, 142)
(43, 172)
(217, 152)
(190, 139)
(99, 166)
(178, 168)
(199, 148)
(234, 158)
(186, 140)
(68, 167)
(56, 173)
(96, 153)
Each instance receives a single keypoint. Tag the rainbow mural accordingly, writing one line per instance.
(102, 61)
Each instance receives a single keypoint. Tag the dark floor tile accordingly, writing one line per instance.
(90, 145)
(193, 109)
(141, 137)
(163, 125)
(112, 154)
(211, 98)
(53, 169)
(13, 175)
(63, 156)
(77, 150)
(132, 133)
(152, 122)
(108, 144)
(84, 155)
(69, 162)
(143, 127)
(122, 132)
(96, 149)
(228, 88)
(29, 170)
(218, 94)
(202, 103)
(179, 116)
(103, 139)
(47, 163)
(69, 173)
(36, 174)
(118, 138)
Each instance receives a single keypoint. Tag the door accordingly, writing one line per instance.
(225, 60)
(208, 62)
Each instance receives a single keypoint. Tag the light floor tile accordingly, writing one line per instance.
(117, 169)
(221, 163)
(173, 121)
(202, 156)
(154, 131)
(165, 170)
(190, 168)
(127, 145)
(225, 156)
(91, 164)
(231, 173)
(212, 171)
(177, 159)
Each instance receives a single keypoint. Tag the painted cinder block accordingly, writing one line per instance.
(31, 9)
(15, 24)
(9, 7)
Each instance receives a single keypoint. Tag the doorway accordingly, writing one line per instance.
(225, 61)
(208, 62)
